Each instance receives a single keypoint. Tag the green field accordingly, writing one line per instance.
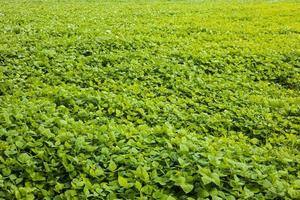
(167, 100)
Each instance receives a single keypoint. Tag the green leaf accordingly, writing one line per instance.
(162, 196)
(208, 177)
(184, 148)
(181, 161)
(119, 113)
(29, 197)
(138, 185)
(18, 194)
(6, 171)
(59, 187)
(142, 173)
(37, 177)
(215, 178)
(178, 180)
(123, 181)
(112, 166)
(181, 181)
(24, 158)
(206, 180)
(186, 187)
(296, 184)
(203, 193)
(96, 172)
(295, 194)
(147, 189)
(170, 198)
(215, 197)
(20, 143)
(248, 193)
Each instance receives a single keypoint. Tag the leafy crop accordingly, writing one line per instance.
(149, 100)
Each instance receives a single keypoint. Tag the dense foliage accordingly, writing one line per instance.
(149, 100)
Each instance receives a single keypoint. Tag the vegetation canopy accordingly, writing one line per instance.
(149, 100)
